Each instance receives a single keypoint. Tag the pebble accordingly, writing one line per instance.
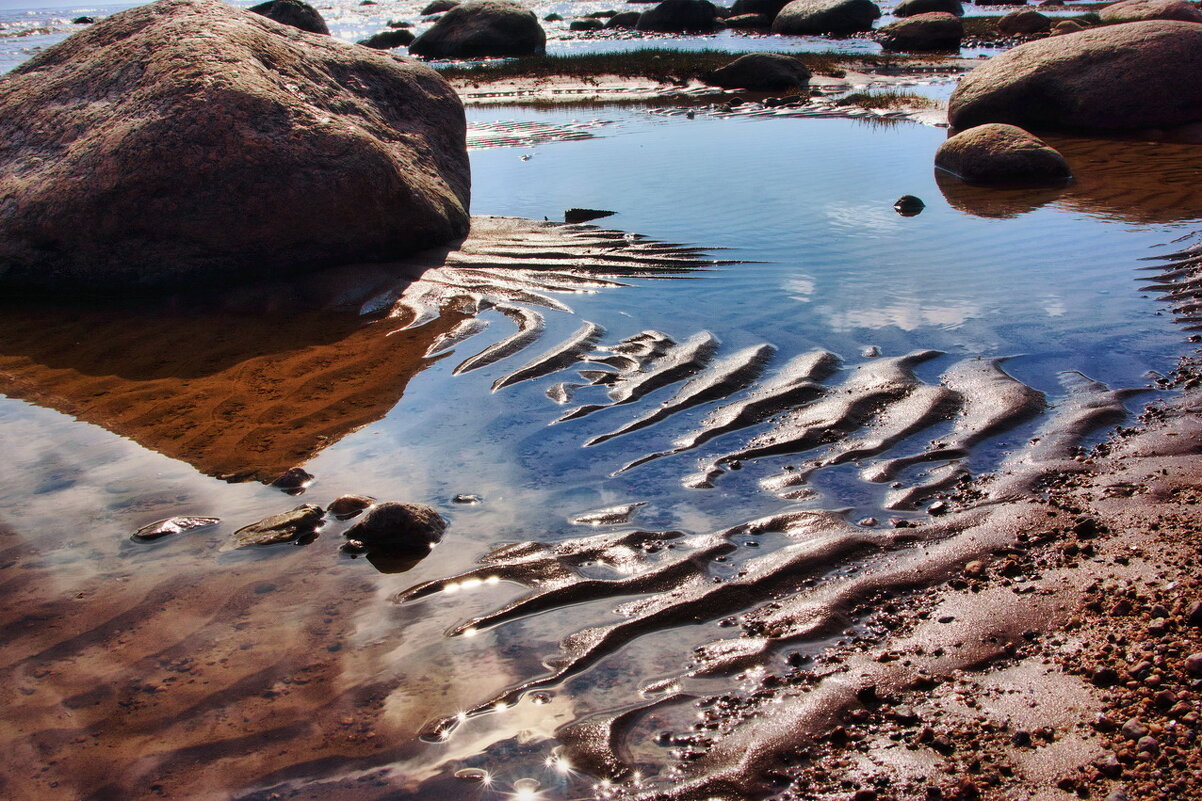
(467, 499)
(1134, 729)
(349, 505)
(1193, 664)
(472, 775)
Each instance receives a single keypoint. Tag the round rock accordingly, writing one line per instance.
(935, 30)
(908, 8)
(188, 142)
(1023, 22)
(1118, 77)
(482, 29)
(387, 40)
(399, 528)
(767, 72)
(806, 17)
(680, 16)
(295, 13)
(1001, 154)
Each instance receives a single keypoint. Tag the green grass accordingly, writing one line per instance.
(890, 99)
(660, 64)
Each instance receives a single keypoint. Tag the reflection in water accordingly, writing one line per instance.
(1139, 182)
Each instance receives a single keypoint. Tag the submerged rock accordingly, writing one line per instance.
(909, 205)
(1001, 154)
(803, 17)
(1135, 10)
(292, 479)
(584, 215)
(403, 529)
(299, 524)
(173, 525)
(591, 24)
(83, 20)
(625, 20)
(1024, 22)
(480, 29)
(680, 16)
(439, 7)
(908, 8)
(1118, 77)
(935, 30)
(768, 72)
(295, 13)
(749, 21)
(769, 8)
(387, 40)
(188, 141)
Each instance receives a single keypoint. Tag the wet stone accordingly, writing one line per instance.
(173, 525)
(293, 480)
(347, 506)
(299, 524)
(472, 775)
(398, 528)
(909, 206)
(467, 499)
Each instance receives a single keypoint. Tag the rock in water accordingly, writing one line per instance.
(909, 206)
(1001, 154)
(409, 529)
(1023, 22)
(300, 523)
(908, 8)
(482, 29)
(349, 505)
(934, 30)
(173, 525)
(1118, 77)
(295, 13)
(1133, 10)
(768, 72)
(806, 17)
(439, 6)
(188, 141)
(680, 16)
(388, 40)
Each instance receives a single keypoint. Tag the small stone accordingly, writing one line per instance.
(1149, 744)
(1105, 677)
(1020, 738)
(468, 500)
(867, 522)
(1134, 728)
(349, 505)
(293, 479)
(1193, 614)
(974, 568)
(1193, 664)
(472, 775)
(297, 524)
(908, 206)
(865, 795)
(399, 528)
(937, 508)
(173, 525)
(1110, 766)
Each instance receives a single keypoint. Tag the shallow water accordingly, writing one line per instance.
(185, 669)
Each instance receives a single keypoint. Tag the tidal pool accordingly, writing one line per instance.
(181, 668)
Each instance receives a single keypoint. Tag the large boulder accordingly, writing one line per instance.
(1120, 77)
(680, 16)
(1135, 10)
(908, 8)
(935, 30)
(482, 29)
(764, 72)
(624, 20)
(295, 13)
(189, 141)
(806, 17)
(1001, 154)
(1023, 22)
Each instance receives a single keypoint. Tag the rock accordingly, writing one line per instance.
(1193, 614)
(803, 17)
(584, 215)
(680, 16)
(294, 478)
(556, 18)
(295, 13)
(349, 505)
(1068, 26)
(586, 25)
(398, 528)
(480, 29)
(910, 206)
(1135, 10)
(935, 30)
(908, 8)
(1000, 2)
(1117, 77)
(1001, 154)
(744, 21)
(173, 525)
(439, 6)
(399, 23)
(83, 20)
(626, 20)
(1023, 22)
(761, 72)
(1193, 664)
(1134, 729)
(387, 40)
(157, 149)
(769, 8)
(299, 524)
